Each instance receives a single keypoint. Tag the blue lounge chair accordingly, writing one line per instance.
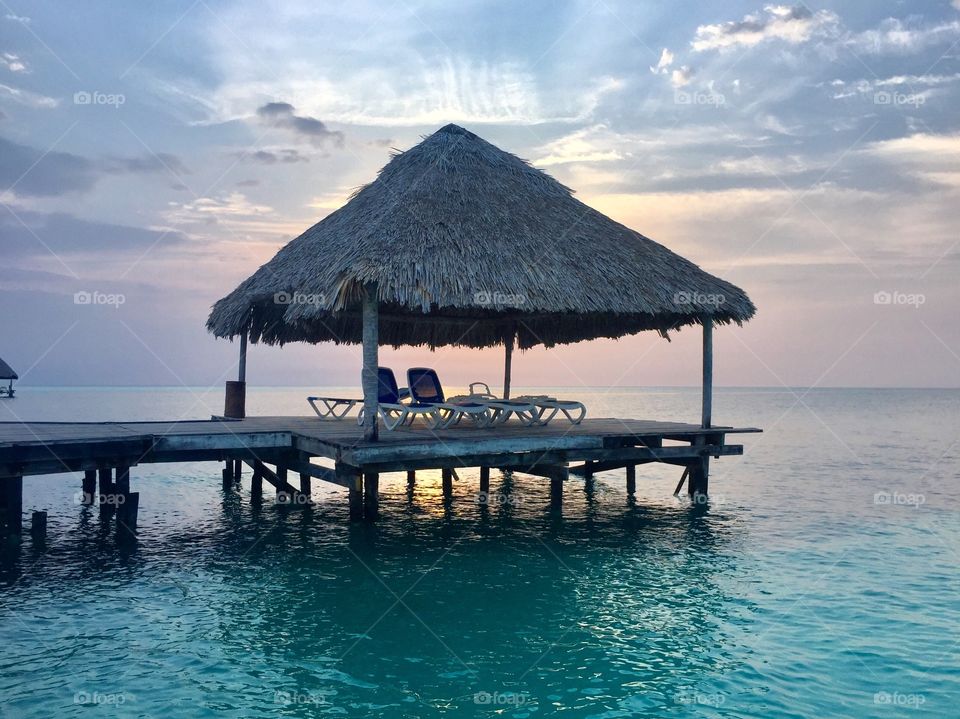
(425, 389)
(393, 412)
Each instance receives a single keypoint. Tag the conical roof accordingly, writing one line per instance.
(468, 245)
(6, 371)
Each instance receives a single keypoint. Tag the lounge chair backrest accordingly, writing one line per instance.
(388, 392)
(424, 385)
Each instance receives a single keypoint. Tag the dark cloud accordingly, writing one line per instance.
(160, 162)
(268, 157)
(283, 114)
(31, 173)
(248, 183)
(35, 233)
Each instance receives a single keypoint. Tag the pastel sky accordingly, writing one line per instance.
(158, 153)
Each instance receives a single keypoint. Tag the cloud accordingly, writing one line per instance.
(29, 172)
(25, 97)
(12, 62)
(39, 234)
(248, 183)
(592, 144)
(793, 25)
(925, 156)
(893, 36)
(272, 157)
(283, 114)
(681, 76)
(665, 61)
(159, 162)
(22, 19)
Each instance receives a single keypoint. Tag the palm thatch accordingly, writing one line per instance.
(469, 245)
(6, 371)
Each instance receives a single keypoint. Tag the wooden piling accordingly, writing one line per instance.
(485, 481)
(105, 482)
(11, 499)
(38, 525)
(226, 475)
(631, 478)
(447, 476)
(122, 484)
(559, 476)
(411, 477)
(371, 495)
(283, 495)
(237, 471)
(698, 482)
(89, 486)
(256, 484)
(127, 514)
(306, 486)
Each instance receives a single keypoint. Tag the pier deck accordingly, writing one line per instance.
(291, 443)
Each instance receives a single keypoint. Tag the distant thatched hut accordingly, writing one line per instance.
(7, 373)
(460, 243)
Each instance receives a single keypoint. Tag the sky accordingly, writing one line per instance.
(155, 154)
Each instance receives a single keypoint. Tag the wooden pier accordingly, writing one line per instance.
(274, 447)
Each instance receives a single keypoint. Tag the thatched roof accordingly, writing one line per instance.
(469, 245)
(6, 372)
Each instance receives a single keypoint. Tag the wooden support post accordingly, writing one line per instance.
(353, 480)
(411, 477)
(698, 483)
(237, 470)
(89, 486)
(127, 515)
(282, 494)
(707, 409)
(305, 484)
(369, 376)
(485, 481)
(226, 475)
(556, 487)
(631, 479)
(105, 488)
(38, 526)
(447, 476)
(256, 484)
(122, 484)
(371, 495)
(507, 365)
(11, 497)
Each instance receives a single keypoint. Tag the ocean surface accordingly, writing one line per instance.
(822, 579)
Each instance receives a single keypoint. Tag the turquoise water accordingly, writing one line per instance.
(821, 581)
